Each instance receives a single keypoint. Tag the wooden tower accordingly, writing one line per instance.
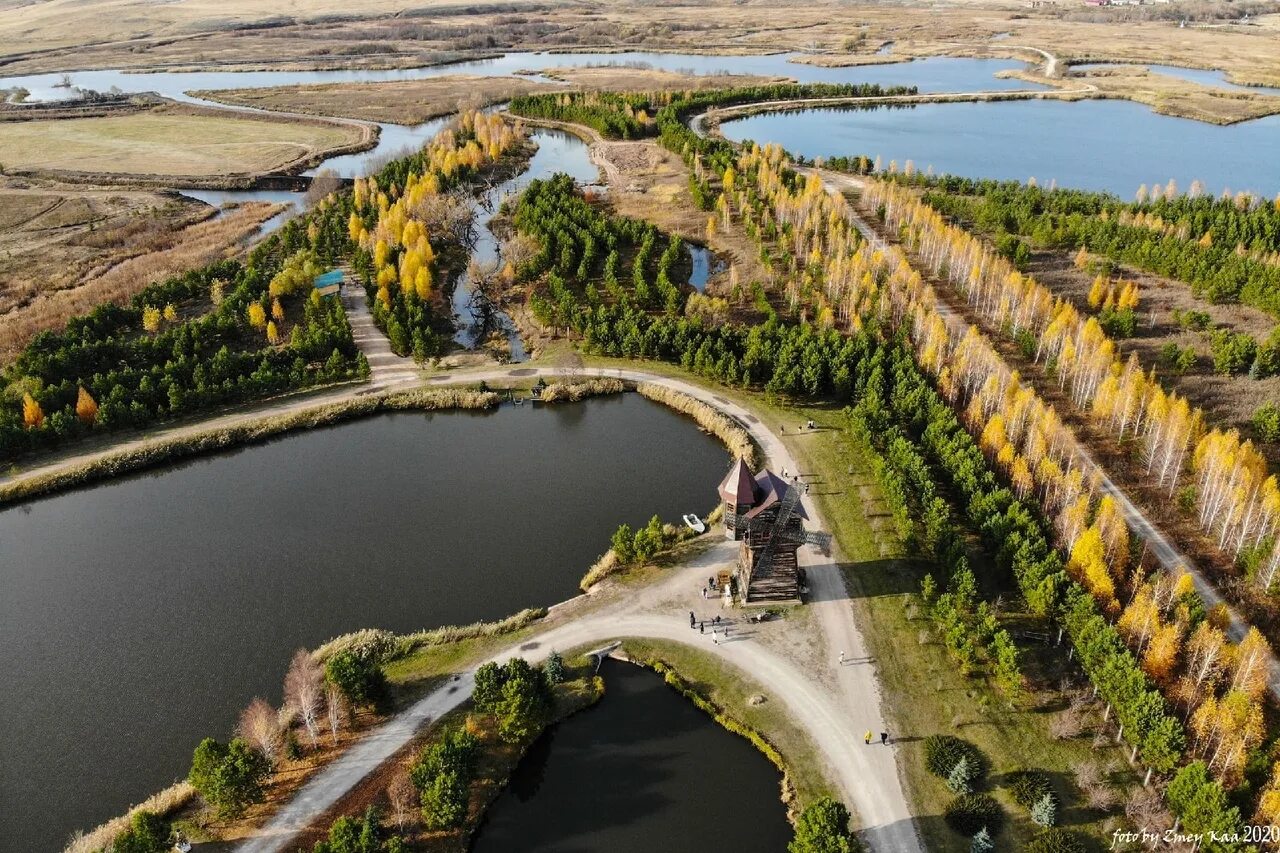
(765, 514)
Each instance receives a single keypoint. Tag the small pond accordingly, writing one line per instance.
(141, 615)
(643, 770)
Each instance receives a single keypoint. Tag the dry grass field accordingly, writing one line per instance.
(169, 141)
(415, 101)
(400, 102)
(1168, 95)
(64, 250)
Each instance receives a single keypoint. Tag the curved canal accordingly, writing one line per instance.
(140, 615)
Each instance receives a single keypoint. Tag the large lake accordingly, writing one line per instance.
(141, 615)
(1097, 145)
(643, 770)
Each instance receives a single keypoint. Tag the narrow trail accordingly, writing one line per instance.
(1170, 558)
(386, 369)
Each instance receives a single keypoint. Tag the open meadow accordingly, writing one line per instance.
(169, 141)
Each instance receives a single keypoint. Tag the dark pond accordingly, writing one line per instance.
(141, 615)
(643, 770)
(1107, 145)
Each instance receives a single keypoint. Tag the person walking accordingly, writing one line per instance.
(842, 658)
(884, 738)
(701, 627)
(715, 638)
(691, 619)
(867, 737)
(726, 632)
(704, 593)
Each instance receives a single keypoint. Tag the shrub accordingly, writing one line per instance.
(1045, 811)
(1056, 841)
(359, 678)
(960, 779)
(943, 752)
(1266, 420)
(1027, 787)
(148, 832)
(823, 827)
(1233, 352)
(553, 669)
(969, 813)
(1118, 323)
(349, 834)
(982, 842)
(230, 777)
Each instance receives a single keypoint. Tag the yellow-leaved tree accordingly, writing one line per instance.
(32, 414)
(257, 317)
(86, 406)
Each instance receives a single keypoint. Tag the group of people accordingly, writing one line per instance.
(884, 738)
(701, 625)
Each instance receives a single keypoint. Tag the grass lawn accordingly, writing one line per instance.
(167, 142)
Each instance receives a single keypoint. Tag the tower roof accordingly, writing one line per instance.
(771, 488)
(739, 486)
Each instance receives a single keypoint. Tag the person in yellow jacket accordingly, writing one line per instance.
(867, 737)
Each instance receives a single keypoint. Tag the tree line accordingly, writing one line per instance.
(1224, 251)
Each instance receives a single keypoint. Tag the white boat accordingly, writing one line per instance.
(694, 523)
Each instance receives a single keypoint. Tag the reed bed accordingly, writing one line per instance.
(163, 803)
(208, 441)
(383, 646)
(572, 392)
(723, 427)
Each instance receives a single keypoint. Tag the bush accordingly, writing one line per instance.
(230, 777)
(1233, 352)
(1045, 811)
(148, 832)
(960, 779)
(943, 752)
(1056, 841)
(968, 813)
(349, 834)
(1266, 420)
(823, 827)
(1118, 323)
(1027, 787)
(359, 678)
(553, 669)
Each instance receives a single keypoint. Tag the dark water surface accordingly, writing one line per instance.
(642, 771)
(138, 616)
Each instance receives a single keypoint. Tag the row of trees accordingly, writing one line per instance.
(1239, 499)
(318, 697)
(1224, 251)
(841, 365)
(581, 254)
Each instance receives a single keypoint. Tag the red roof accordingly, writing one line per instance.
(771, 487)
(738, 486)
